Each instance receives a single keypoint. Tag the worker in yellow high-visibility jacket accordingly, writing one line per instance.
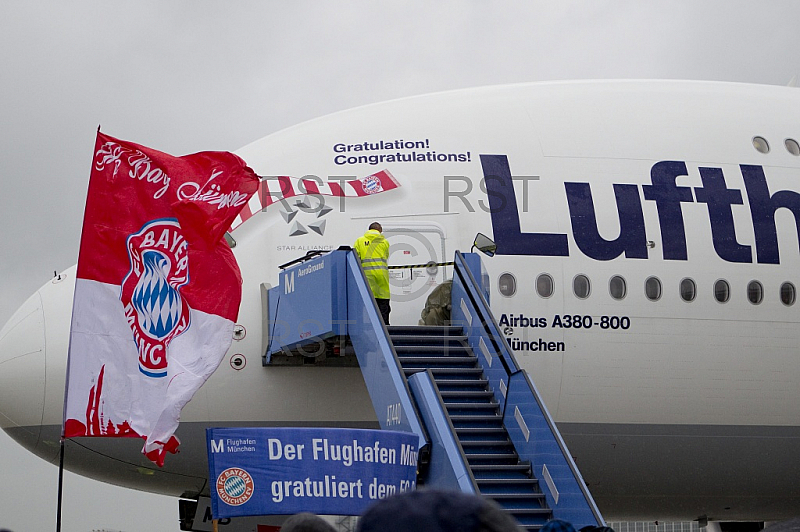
(373, 250)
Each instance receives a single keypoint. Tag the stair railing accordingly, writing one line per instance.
(383, 375)
(525, 416)
(449, 468)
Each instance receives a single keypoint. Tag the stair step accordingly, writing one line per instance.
(433, 350)
(463, 419)
(481, 431)
(471, 383)
(531, 522)
(477, 439)
(530, 501)
(501, 472)
(517, 506)
(424, 330)
(475, 420)
(475, 394)
(519, 501)
(530, 511)
(487, 468)
(444, 373)
(410, 360)
(427, 339)
(504, 450)
(491, 407)
(487, 443)
(478, 434)
(520, 497)
(492, 458)
(508, 481)
(500, 475)
(446, 387)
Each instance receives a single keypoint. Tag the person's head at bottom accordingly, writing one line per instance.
(306, 522)
(436, 511)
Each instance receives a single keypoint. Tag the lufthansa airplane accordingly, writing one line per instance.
(646, 276)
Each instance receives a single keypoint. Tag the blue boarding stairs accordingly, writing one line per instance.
(482, 425)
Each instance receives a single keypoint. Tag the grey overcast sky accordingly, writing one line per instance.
(187, 76)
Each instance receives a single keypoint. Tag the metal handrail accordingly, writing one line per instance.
(504, 350)
(463, 455)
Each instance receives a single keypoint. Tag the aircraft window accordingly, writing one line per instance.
(652, 288)
(761, 144)
(788, 294)
(617, 287)
(792, 146)
(507, 284)
(755, 292)
(581, 286)
(688, 290)
(722, 291)
(545, 286)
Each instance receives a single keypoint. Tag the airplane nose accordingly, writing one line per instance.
(33, 358)
(22, 373)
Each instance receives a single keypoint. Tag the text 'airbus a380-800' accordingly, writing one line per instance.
(645, 275)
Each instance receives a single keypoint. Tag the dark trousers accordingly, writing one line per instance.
(383, 306)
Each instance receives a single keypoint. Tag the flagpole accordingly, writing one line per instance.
(60, 483)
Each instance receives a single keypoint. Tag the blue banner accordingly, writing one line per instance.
(327, 471)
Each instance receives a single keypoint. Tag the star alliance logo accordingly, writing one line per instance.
(308, 205)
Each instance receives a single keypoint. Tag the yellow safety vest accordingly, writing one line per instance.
(373, 250)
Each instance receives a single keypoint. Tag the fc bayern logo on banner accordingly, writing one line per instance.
(372, 185)
(235, 486)
(150, 292)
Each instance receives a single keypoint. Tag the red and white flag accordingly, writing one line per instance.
(277, 188)
(157, 290)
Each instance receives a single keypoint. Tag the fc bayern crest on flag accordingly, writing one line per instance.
(150, 293)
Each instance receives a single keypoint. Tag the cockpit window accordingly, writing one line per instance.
(545, 286)
(722, 291)
(581, 286)
(617, 287)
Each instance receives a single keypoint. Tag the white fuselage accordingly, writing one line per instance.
(672, 408)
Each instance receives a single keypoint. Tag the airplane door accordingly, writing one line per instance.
(414, 249)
